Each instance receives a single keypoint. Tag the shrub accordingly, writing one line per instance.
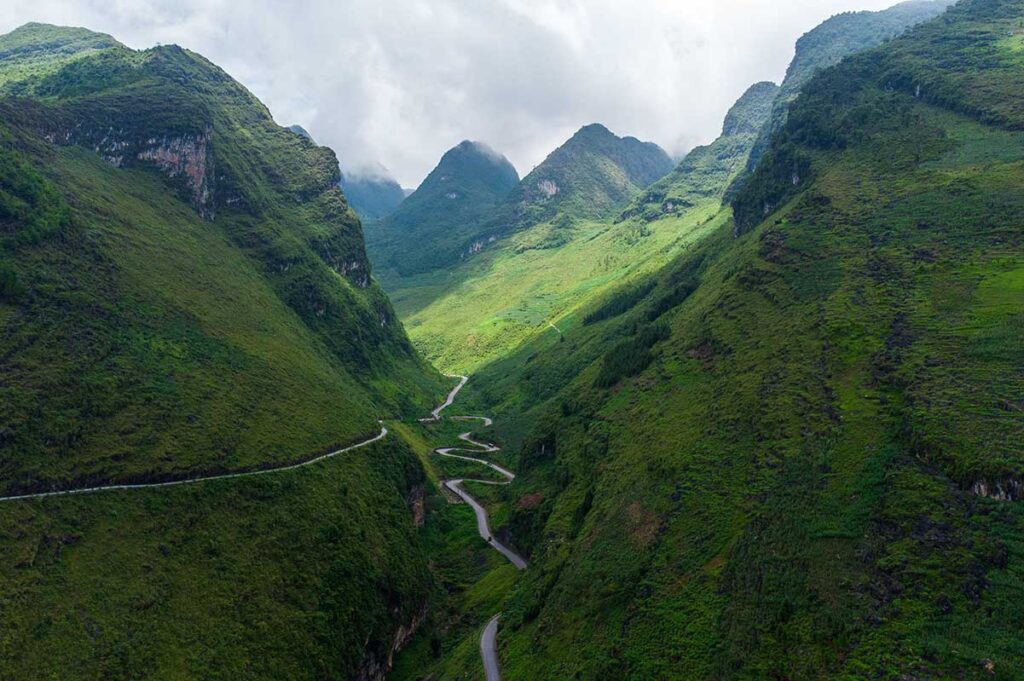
(630, 357)
(619, 303)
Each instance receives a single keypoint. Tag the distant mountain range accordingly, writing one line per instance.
(474, 198)
(372, 192)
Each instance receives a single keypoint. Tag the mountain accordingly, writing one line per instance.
(828, 43)
(707, 171)
(373, 193)
(528, 276)
(184, 292)
(546, 252)
(797, 450)
(302, 132)
(589, 176)
(430, 226)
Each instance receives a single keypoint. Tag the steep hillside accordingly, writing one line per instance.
(372, 193)
(431, 227)
(797, 453)
(706, 171)
(590, 176)
(827, 44)
(520, 286)
(184, 291)
(140, 224)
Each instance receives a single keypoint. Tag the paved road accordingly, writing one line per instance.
(488, 639)
(489, 650)
(191, 481)
(436, 414)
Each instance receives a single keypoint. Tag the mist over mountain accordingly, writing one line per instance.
(372, 192)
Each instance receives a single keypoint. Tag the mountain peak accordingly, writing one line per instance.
(594, 129)
(474, 163)
(34, 41)
(591, 174)
(371, 191)
(470, 180)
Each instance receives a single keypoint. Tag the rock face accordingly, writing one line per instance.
(1007, 489)
(417, 503)
(547, 188)
(377, 664)
(185, 157)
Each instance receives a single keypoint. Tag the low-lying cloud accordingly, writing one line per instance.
(398, 82)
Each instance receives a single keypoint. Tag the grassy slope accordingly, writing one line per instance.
(143, 340)
(510, 294)
(140, 340)
(492, 304)
(285, 577)
(784, 491)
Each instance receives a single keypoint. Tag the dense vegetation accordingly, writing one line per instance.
(143, 339)
(510, 293)
(183, 291)
(780, 437)
(590, 176)
(434, 227)
(818, 474)
(707, 171)
(827, 44)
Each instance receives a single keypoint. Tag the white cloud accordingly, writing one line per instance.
(400, 81)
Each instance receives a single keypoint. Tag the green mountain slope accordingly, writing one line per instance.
(432, 226)
(590, 176)
(184, 291)
(797, 453)
(706, 171)
(520, 286)
(373, 194)
(839, 37)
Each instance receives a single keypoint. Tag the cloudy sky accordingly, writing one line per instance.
(400, 81)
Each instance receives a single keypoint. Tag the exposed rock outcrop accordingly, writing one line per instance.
(1007, 489)
(377, 664)
(185, 156)
(417, 503)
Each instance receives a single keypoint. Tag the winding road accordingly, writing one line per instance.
(488, 640)
(191, 481)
